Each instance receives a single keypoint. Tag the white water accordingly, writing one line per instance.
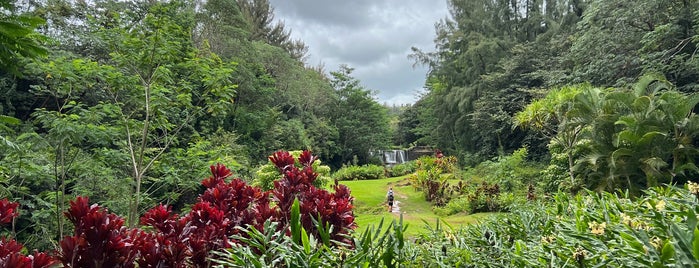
(392, 157)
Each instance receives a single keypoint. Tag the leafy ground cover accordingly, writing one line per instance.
(370, 207)
(589, 229)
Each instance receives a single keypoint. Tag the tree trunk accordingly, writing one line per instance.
(570, 168)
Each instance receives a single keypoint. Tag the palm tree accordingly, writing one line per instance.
(562, 116)
(652, 125)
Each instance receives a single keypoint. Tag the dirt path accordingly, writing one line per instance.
(396, 207)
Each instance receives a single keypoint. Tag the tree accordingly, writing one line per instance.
(152, 86)
(618, 41)
(260, 16)
(620, 138)
(362, 123)
(18, 37)
(158, 104)
(489, 54)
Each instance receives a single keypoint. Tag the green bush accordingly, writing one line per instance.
(456, 205)
(375, 247)
(587, 230)
(447, 164)
(512, 173)
(365, 172)
(268, 173)
(403, 169)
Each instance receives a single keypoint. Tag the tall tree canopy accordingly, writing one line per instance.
(134, 97)
(493, 57)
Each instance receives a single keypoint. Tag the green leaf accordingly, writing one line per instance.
(695, 244)
(632, 241)
(295, 222)
(304, 239)
(9, 120)
(323, 231)
(668, 252)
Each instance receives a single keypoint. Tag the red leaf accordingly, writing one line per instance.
(8, 211)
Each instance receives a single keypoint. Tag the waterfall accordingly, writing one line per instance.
(400, 156)
(389, 157)
(393, 157)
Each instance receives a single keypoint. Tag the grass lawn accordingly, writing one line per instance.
(370, 206)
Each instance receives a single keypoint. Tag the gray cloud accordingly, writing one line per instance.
(341, 13)
(372, 36)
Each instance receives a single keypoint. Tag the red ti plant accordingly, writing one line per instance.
(8, 211)
(100, 240)
(221, 207)
(10, 250)
(208, 226)
(168, 246)
(438, 153)
(334, 209)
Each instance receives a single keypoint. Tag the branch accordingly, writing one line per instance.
(169, 141)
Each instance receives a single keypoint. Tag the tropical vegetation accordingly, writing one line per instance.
(571, 124)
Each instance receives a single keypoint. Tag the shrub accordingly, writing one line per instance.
(100, 238)
(511, 173)
(365, 172)
(376, 247)
(432, 177)
(445, 164)
(266, 174)
(454, 206)
(586, 230)
(11, 251)
(403, 169)
(215, 222)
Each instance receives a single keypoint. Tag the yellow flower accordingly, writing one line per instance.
(660, 206)
(693, 187)
(579, 254)
(597, 228)
(638, 225)
(548, 239)
(656, 242)
(626, 219)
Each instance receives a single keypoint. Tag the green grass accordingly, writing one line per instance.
(370, 206)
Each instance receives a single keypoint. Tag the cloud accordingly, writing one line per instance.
(339, 13)
(372, 36)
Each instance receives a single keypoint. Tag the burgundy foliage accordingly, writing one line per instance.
(8, 211)
(10, 250)
(168, 246)
(100, 240)
(169, 240)
(324, 207)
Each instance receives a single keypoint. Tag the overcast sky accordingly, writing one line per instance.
(372, 36)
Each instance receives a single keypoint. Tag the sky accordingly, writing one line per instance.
(372, 36)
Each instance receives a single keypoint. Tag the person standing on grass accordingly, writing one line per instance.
(389, 197)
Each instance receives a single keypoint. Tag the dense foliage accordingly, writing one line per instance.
(120, 103)
(100, 238)
(659, 230)
(365, 172)
(492, 58)
(402, 169)
(629, 138)
(432, 178)
(124, 101)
